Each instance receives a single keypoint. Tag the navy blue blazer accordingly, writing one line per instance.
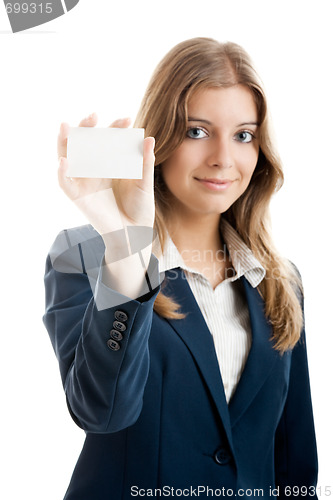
(152, 403)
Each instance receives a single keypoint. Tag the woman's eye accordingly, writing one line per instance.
(196, 133)
(244, 136)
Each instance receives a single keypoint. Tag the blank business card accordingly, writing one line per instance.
(115, 153)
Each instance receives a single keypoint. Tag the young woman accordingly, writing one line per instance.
(182, 350)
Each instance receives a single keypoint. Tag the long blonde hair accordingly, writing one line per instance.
(204, 63)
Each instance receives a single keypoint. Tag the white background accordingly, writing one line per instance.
(99, 57)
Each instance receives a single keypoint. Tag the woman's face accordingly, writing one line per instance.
(213, 166)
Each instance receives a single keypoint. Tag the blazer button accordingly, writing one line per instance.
(112, 344)
(114, 334)
(222, 456)
(118, 325)
(121, 316)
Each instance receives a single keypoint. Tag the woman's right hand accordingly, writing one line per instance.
(110, 204)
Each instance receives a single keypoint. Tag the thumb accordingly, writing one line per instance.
(148, 163)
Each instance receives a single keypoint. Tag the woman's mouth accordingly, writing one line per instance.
(215, 184)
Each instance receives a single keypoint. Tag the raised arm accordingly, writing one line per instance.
(100, 294)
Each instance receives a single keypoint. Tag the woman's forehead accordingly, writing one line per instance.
(219, 103)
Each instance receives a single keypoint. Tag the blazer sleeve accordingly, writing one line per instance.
(104, 387)
(296, 464)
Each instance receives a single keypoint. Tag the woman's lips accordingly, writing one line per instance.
(215, 184)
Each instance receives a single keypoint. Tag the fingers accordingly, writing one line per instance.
(90, 121)
(121, 123)
(148, 162)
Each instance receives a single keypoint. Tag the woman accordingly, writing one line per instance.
(195, 384)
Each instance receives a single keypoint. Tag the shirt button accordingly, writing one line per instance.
(222, 456)
(118, 325)
(121, 316)
(114, 334)
(112, 344)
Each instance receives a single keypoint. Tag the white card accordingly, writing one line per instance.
(115, 153)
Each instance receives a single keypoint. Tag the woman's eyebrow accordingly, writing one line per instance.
(202, 120)
(192, 119)
(248, 123)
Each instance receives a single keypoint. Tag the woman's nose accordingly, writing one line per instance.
(220, 153)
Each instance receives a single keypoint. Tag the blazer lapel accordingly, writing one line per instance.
(195, 334)
(261, 359)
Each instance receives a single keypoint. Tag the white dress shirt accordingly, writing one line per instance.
(223, 308)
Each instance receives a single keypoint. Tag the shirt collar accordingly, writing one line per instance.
(243, 260)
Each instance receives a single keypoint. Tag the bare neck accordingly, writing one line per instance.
(196, 233)
(198, 240)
